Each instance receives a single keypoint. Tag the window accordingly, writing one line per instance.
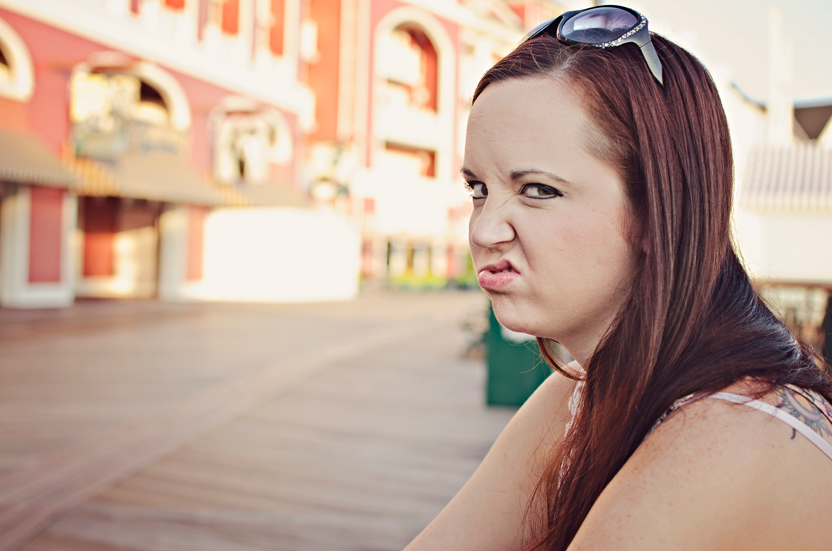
(270, 19)
(151, 105)
(108, 99)
(276, 22)
(241, 150)
(225, 15)
(17, 74)
(408, 160)
(410, 65)
(112, 112)
(247, 141)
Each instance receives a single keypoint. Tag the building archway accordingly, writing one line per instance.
(130, 121)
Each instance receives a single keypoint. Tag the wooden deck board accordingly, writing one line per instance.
(351, 436)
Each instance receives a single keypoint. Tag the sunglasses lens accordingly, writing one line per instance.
(598, 25)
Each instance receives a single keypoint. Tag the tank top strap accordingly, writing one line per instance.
(683, 401)
(815, 409)
(789, 418)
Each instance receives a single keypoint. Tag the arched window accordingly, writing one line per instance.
(151, 93)
(17, 80)
(248, 138)
(151, 105)
(116, 104)
(409, 66)
(413, 93)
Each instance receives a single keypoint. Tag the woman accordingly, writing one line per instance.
(600, 168)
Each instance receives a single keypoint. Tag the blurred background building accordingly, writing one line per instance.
(237, 149)
(393, 81)
(783, 210)
(289, 149)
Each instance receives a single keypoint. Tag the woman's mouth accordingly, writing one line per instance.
(495, 277)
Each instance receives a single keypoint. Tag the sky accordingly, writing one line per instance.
(732, 35)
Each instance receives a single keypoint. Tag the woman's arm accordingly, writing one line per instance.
(715, 476)
(487, 513)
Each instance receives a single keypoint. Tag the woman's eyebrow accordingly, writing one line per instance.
(517, 174)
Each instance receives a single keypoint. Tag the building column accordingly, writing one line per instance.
(181, 242)
(397, 257)
(439, 258)
(421, 259)
(36, 229)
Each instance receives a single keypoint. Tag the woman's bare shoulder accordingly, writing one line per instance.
(716, 475)
(487, 513)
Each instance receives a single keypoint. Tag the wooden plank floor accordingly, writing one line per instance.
(145, 426)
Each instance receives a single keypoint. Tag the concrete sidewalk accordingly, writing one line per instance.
(151, 426)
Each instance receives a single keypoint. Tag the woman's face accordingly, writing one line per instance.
(550, 232)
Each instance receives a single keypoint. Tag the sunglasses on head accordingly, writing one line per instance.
(603, 27)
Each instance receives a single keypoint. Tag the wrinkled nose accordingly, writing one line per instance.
(490, 228)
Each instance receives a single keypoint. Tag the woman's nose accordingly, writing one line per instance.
(490, 227)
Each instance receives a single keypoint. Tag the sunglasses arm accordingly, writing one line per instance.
(652, 58)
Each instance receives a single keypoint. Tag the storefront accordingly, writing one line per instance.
(37, 223)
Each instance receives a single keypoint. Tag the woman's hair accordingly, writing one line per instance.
(693, 321)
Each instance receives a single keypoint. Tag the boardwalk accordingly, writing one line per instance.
(151, 426)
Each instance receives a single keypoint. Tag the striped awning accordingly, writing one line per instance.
(154, 175)
(789, 178)
(25, 159)
(165, 177)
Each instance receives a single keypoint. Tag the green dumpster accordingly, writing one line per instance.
(515, 366)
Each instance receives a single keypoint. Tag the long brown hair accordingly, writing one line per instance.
(693, 321)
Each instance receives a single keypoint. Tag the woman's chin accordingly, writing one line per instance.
(512, 323)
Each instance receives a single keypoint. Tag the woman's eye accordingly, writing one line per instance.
(540, 191)
(478, 190)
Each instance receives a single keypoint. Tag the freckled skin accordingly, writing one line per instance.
(575, 258)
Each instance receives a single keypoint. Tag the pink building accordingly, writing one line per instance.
(393, 81)
(158, 110)
(125, 125)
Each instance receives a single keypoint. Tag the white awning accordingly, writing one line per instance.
(794, 178)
